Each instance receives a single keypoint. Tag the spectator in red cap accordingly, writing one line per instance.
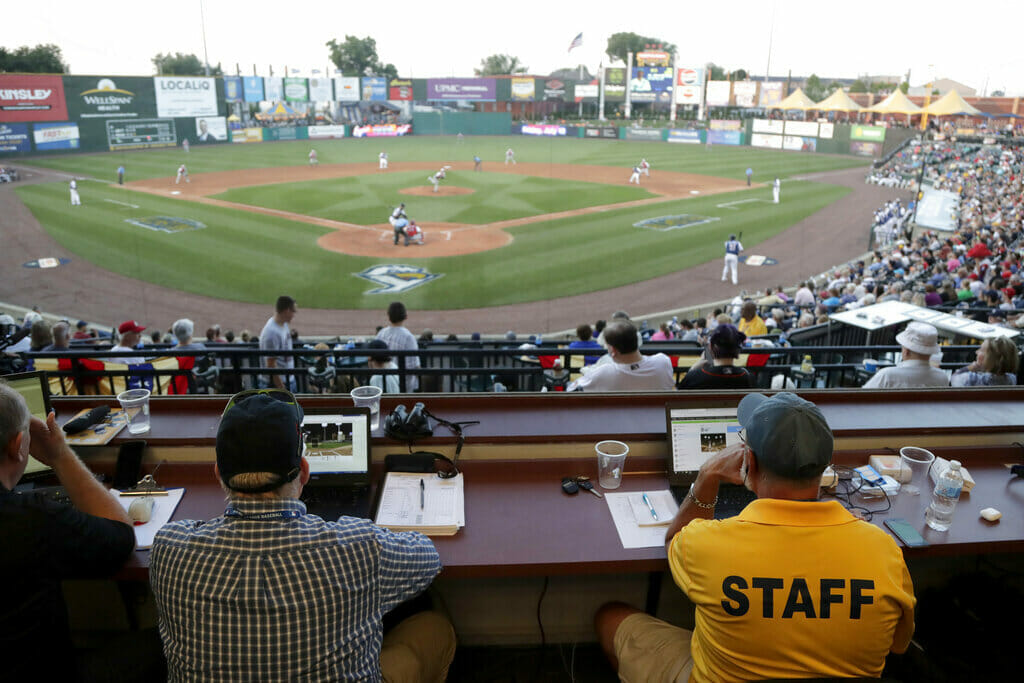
(130, 334)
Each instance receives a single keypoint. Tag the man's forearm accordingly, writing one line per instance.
(705, 489)
(87, 494)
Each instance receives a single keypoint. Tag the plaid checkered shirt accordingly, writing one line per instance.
(274, 594)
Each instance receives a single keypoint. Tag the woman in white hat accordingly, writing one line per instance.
(920, 341)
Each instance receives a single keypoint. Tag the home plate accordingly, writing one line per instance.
(757, 260)
(175, 191)
(694, 191)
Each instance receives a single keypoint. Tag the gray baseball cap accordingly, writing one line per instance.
(788, 435)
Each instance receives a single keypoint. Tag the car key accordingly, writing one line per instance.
(569, 485)
(584, 483)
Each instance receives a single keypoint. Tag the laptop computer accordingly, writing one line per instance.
(338, 452)
(695, 434)
(36, 391)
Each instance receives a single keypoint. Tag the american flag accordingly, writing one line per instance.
(576, 42)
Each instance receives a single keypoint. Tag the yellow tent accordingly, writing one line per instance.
(949, 104)
(838, 101)
(896, 103)
(796, 100)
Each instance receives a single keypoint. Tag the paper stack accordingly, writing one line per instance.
(422, 502)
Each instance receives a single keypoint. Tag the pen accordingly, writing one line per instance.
(650, 507)
(422, 494)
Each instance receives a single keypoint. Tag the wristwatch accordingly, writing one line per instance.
(705, 506)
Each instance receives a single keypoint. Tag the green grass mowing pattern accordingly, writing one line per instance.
(370, 199)
(249, 257)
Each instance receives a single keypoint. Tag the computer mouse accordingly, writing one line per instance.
(569, 485)
(141, 510)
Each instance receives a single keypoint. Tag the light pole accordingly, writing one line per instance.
(202, 23)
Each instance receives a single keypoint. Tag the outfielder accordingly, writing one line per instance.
(510, 157)
(438, 177)
(75, 199)
(398, 221)
(635, 178)
(776, 188)
(645, 167)
(383, 163)
(313, 160)
(732, 258)
(182, 173)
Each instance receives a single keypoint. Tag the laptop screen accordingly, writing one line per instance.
(338, 443)
(34, 389)
(697, 433)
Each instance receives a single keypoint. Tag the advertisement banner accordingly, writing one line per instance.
(106, 97)
(14, 138)
(690, 137)
(725, 137)
(866, 149)
(799, 144)
(252, 88)
(651, 84)
(522, 89)
(375, 88)
(233, 89)
(286, 133)
(825, 130)
(608, 132)
(461, 89)
(273, 89)
(400, 90)
(295, 89)
(615, 84)
(773, 126)
(547, 129)
(582, 91)
(766, 140)
(689, 94)
(745, 92)
(653, 58)
(870, 133)
(56, 135)
(32, 98)
(554, 89)
(141, 134)
(180, 96)
(211, 129)
(320, 90)
(643, 134)
(388, 130)
(718, 93)
(346, 88)
(686, 75)
(771, 94)
(247, 135)
(725, 124)
(319, 132)
(802, 128)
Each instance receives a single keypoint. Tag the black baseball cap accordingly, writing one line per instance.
(260, 431)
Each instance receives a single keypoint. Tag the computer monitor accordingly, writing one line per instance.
(697, 433)
(36, 392)
(337, 443)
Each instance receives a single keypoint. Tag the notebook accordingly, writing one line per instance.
(338, 451)
(695, 434)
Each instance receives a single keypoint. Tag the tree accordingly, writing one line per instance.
(904, 87)
(41, 59)
(997, 93)
(500, 65)
(859, 86)
(717, 72)
(358, 57)
(180, 64)
(620, 44)
(739, 75)
(814, 89)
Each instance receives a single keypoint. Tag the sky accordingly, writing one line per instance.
(447, 38)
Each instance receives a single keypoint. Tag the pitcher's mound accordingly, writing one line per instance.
(423, 191)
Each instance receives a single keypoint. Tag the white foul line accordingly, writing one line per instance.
(729, 205)
(114, 201)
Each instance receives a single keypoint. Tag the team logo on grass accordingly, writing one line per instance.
(395, 278)
(166, 223)
(666, 223)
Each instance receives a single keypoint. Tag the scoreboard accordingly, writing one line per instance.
(141, 133)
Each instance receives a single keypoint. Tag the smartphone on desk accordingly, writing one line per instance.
(905, 531)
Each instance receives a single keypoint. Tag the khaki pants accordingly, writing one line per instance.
(650, 650)
(419, 649)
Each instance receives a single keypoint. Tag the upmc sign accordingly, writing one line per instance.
(32, 98)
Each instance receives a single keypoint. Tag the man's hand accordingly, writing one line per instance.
(725, 465)
(46, 440)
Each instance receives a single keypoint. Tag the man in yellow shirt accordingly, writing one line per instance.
(790, 588)
(751, 324)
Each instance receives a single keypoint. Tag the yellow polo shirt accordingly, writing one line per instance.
(754, 327)
(789, 589)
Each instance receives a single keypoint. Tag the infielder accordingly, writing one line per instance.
(437, 177)
(732, 258)
(510, 157)
(635, 178)
(383, 161)
(776, 188)
(182, 173)
(413, 233)
(313, 159)
(645, 167)
(75, 199)
(398, 220)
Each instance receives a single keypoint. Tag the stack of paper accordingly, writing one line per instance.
(422, 502)
(637, 527)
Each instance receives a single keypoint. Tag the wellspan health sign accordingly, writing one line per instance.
(107, 97)
(181, 96)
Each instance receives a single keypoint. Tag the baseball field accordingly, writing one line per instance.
(256, 220)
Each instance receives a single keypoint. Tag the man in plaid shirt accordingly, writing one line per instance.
(267, 592)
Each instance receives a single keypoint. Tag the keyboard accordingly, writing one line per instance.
(732, 499)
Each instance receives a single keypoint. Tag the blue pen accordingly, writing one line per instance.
(650, 507)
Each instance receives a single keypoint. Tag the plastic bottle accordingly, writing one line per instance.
(807, 366)
(939, 514)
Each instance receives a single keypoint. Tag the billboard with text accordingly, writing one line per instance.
(771, 94)
(273, 89)
(375, 88)
(180, 96)
(718, 93)
(295, 89)
(252, 88)
(400, 90)
(483, 89)
(386, 130)
(56, 135)
(745, 93)
(651, 84)
(233, 89)
(615, 84)
(346, 89)
(32, 98)
(109, 97)
(14, 138)
(320, 90)
(522, 89)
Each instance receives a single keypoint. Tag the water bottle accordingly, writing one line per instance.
(939, 514)
(807, 366)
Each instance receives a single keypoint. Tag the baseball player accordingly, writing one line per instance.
(413, 233)
(185, 145)
(732, 258)
(776, 188)
(75, 199)
(477, 163)
(182, 173)
(383, 160)
(750, 175)
(635, 178)
(510, 157)
(398, 217)
(645, 167)
(437, 178)
(313, 159)
(120, 174)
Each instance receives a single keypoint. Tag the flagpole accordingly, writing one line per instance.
(581, 99)
(675, 86)
(629, 77)
(600, 93)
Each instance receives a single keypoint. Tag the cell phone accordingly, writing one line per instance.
(904, 531)
(129, 464)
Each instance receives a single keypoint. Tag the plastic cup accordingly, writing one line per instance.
(871, 365)
(918, 461)
(611, 458)
(369, 397)
(135, 403)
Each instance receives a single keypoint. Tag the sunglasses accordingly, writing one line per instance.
(277, 394)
